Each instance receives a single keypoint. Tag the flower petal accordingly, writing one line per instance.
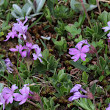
(85, 49)
(23, 54)
(106, 28)
(75, 88)
(35, 46)
(23, 101)
(6, 90)
(76, 95)
(14, 87)
(13, 49)
(108, 34)
(24, 90)
(75, 57)
(73, 51)
(10, 100)
(83, 55)
(17, 97)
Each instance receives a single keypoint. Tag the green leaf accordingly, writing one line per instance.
(35, 22)
(61, 75)
(78, 39)
(6, 28)
(22, 67)
(85, 77)
(50, 5)
(93, 89)
(52, 64)
(2, 74)
(45, 53)
(31, 4)
(104, 17)
(106, 49)
(60, 29)
(73, 30)
(1, 34)
(13, 13)
(48, 15)
(95, 32)
(40, 67)
(2, 2)
(27, 9)
(101, 78)
(61, 45)
(39, 5)
(90, 105)
(76, 6)
(1, 87)
(92, 2)
(2, 65)
(63, 12)
(43, 44)
(62, 83)
(17, 9)
(79, 65)
(81, 19)
(102, 62)
(48, 103)
(1, 56)
(49, 63)
(83, 103)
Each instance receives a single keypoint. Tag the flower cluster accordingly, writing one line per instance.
(80, 50)
(8, 95)
(107, 28)
(76, 93)
(8, 65)
(18, 30)
(26, 50)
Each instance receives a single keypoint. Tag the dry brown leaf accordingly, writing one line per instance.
(108, 1)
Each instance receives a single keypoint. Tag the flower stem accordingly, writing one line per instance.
(41, 105)
(16, 70)
(35, 104)
(86, 12)
(94, 103)
(98, 63)
(98, 6)
(32, 103)
(109, 45)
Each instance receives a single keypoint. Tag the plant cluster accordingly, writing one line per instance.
(55, 59)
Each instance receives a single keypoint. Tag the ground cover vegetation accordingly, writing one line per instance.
(54, 55)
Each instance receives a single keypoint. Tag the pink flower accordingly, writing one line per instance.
(28, 47)
(26, 50)
(76, 93)
(38, 54)
(79, 44)
(8, 93)
(107, 28)
(11, 35)
(76, 88)
(23, 96)
(2, 101)
(8, 65)
(79, 52)
(20, 28)
(20, 49)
